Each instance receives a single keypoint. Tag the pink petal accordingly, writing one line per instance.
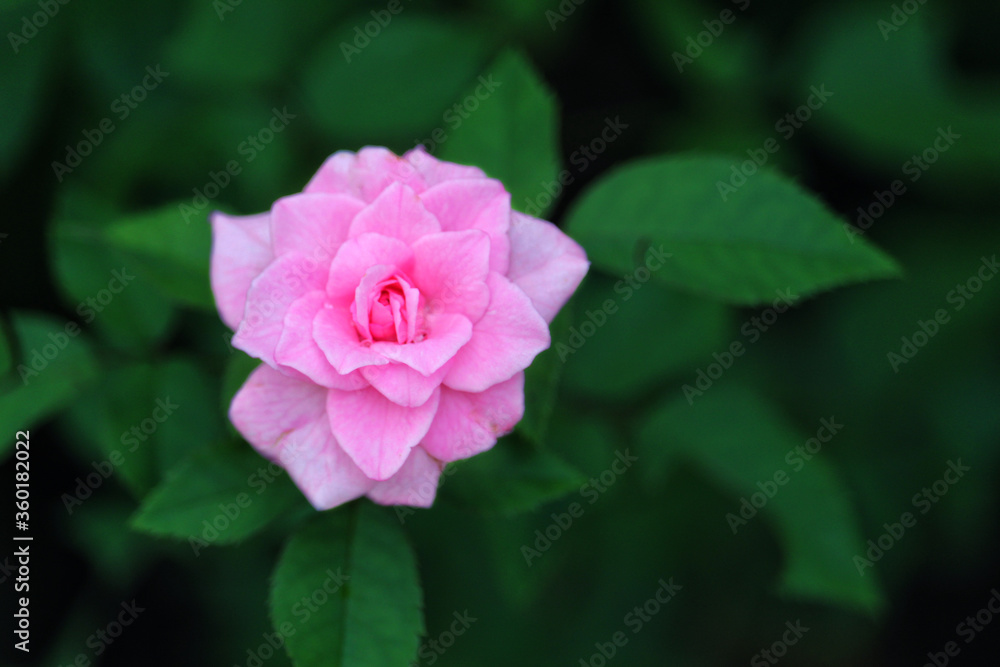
(467, 424)
(437, 171)
(268, 300)
(403, 385)
(320, 468)
(360, 254)
(450, 269)
(375, 432)
(415, 484)
(446, 334)
(335, 334)
(241, 250)
(297, 349)
(365, 293)
(270, 404)
(474, 204)
(285, 420)
(504, 341)
(336, 176)
(377, 168)
(545, 263)
(312, 224)
(397, 213)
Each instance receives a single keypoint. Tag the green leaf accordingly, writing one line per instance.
(138, 316)
(541, 379)
(511, 478)
(768, 235)
(514, 134)
(106, 424)
(741, 440)
(170, 252)
(54, 367)
(667, 332)
(231, 492)
(239, 45)
(361, 575)
(401, 83)
(158, 248)
(183, 386)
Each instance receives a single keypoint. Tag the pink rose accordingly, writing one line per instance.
(395, 303)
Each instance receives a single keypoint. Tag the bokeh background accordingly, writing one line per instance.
(213, 75)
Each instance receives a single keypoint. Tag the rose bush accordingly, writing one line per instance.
(395, 303)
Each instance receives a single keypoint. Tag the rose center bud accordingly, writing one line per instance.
(387, 308)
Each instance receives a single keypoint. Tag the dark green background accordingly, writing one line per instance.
(664, 518)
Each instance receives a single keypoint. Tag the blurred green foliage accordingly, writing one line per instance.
(657, 427)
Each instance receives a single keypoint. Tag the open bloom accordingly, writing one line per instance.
(395, 303)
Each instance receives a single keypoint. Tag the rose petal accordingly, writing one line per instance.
(437, 171)
(467, 424)
(447, 333)
(545, 263)
(297, 349)
(268, 300)
(415, 484)
(335, 334)
(375, 432)
(270, 404)
(241, 250)
(450, 270)
(397, 213)
(403, 385)
(312, 224)
(474, 204)
(360, 254)
(285, 420)
(377, 168)
(321, 469)
(504, 341)
(336, 176)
